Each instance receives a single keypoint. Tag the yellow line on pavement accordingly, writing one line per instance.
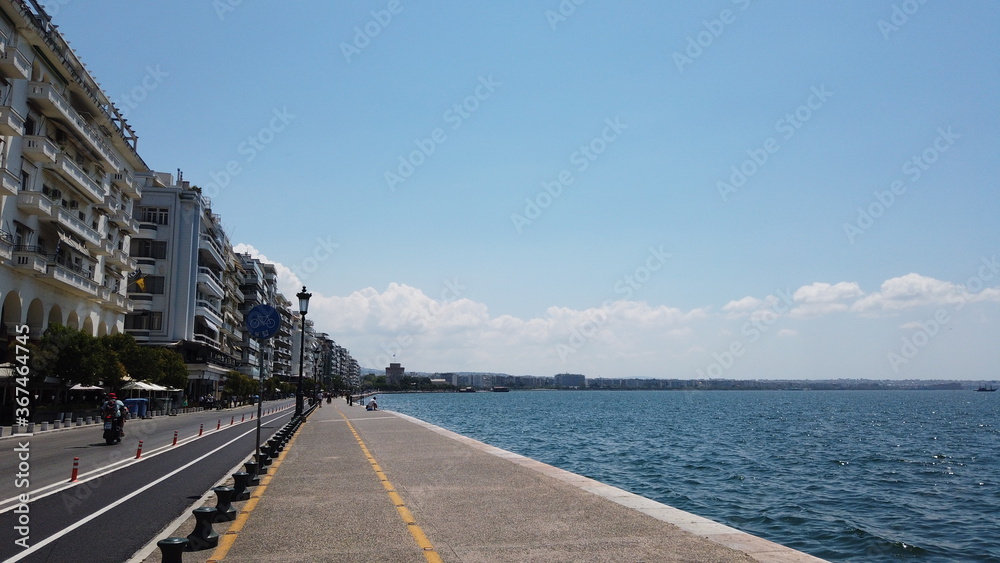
(411, 524)
(227, 539)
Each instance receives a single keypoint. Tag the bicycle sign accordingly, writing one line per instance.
(263, 321)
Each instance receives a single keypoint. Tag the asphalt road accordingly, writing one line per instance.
(119, 503)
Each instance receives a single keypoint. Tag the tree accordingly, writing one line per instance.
(74, 357)
(238, 385)
(154, 364)
(170, 368)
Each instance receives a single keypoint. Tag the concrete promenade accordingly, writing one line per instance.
(374, 486)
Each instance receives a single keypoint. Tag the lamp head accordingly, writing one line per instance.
(303, 300)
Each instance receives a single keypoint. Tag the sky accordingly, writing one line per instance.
(726, 189)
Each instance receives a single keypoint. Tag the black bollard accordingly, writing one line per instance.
(224, 511)
(253, 480)
(265, 460)
(203, 536)
(172, 549)
(275, 445)
(240, 491)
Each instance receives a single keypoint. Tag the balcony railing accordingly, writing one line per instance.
(126, 182)
(45, 95)
(35, 203)
(72, 172)
(9, 182)
(11, 122)
(39, 148)
(67, 219)
(13, 63)
(210, 281)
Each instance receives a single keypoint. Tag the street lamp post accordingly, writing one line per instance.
(303, 309)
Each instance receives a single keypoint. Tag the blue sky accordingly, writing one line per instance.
(732, 189)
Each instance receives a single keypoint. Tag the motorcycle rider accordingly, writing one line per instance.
(118, 410)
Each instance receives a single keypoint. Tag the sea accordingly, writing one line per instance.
(842, 475)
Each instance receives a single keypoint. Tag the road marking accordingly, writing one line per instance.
(411, 524)
(127, 461)
(120, 501)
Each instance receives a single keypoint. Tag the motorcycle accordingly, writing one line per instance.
(112, 431)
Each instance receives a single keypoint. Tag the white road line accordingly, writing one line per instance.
(61, 486)
(127, 497)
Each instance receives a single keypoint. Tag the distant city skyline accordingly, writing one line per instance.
(743, 190)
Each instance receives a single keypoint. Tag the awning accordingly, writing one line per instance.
(82, 387)
(68, 240)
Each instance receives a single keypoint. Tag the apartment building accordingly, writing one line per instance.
(183, 258)
(68, 185)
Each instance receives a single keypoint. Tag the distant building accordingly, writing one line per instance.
(571, 380)
(394, 374)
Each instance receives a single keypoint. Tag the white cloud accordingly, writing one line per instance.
(821, 298)
(615, 339)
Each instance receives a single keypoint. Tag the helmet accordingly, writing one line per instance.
(112, 396)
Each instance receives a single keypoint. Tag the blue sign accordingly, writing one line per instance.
(262, 321)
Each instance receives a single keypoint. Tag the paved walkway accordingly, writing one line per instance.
(355, 485)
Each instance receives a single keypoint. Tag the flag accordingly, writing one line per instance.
(139, 279)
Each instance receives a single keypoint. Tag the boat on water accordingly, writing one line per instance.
(985, 389)
(501, 389)
(467, 390)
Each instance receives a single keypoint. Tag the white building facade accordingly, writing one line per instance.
(68, 166)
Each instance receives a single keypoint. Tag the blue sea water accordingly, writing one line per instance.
(842, 475)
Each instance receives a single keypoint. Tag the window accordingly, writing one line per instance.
(146, 248)
(154, 285)
(146, 320)
(158, 215)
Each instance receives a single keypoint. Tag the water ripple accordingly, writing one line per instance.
(846, 476)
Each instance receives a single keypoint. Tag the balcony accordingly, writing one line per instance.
(6, 245)
(75, 175)
(210, 283)
(73, 280)
(126, 183)
(31, 258)
(35, 203)
(39, 149)
(209, 245)
(11, 122)
(71, 222)
(146, 230)
(118, 258)
(9, 183)
(209, 312)
(121, 303)
(55, 105)
(106, 248)
(12, 63)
